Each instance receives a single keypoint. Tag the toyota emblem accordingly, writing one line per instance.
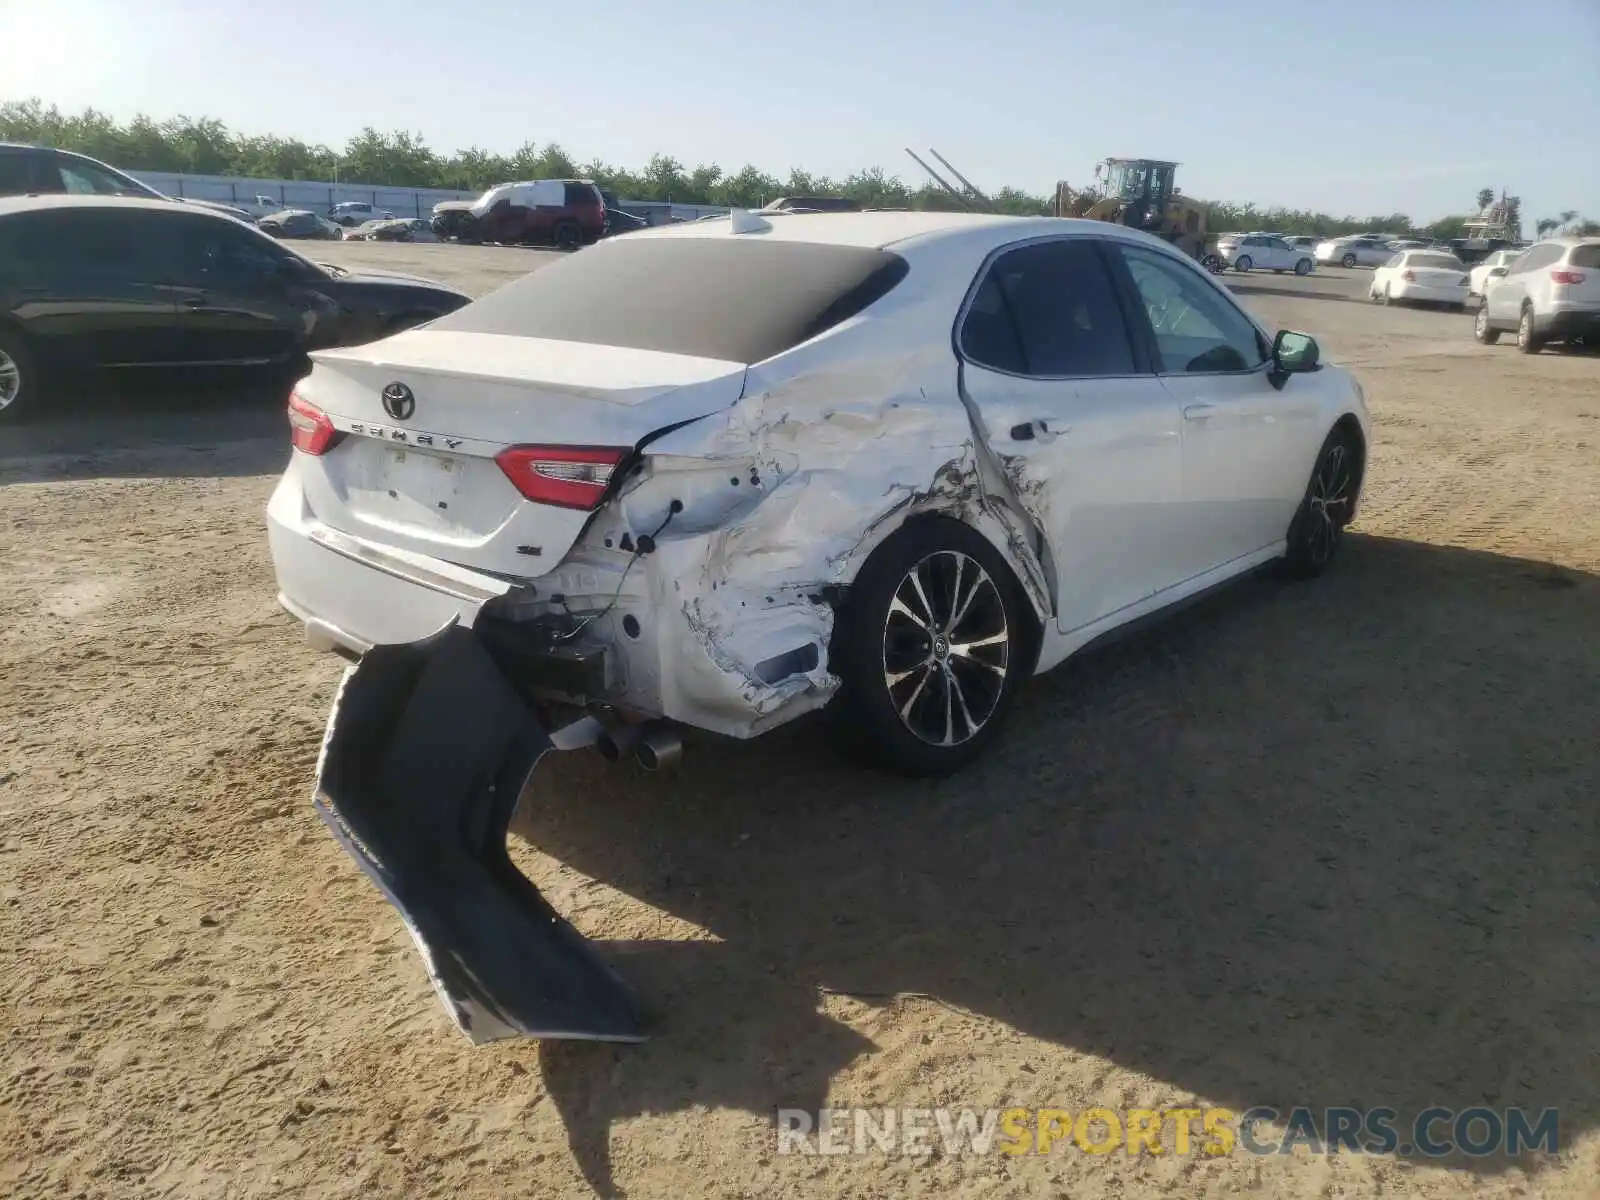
(398, 401)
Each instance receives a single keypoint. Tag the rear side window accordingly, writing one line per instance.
(731, 299)
(83, 243)
(1585, 256)
(1048, 310)
(1539, 257)
(16, 174)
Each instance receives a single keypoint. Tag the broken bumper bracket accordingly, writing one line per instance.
(427, 750)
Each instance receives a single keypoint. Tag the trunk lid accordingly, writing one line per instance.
(1438, 277)
(423, 477)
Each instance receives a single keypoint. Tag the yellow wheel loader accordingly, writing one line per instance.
(1141, 193)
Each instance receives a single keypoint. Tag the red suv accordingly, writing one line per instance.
(566, 213)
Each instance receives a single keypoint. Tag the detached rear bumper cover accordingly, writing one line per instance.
(427, 750)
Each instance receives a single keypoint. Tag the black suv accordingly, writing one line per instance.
(100, 283)
(47, 171)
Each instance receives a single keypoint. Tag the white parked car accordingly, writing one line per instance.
(351, 213)
(1549, 293)
(721, 474)
(1479, 273)
(1364, 250)
(1265, 252)
(1421, 277)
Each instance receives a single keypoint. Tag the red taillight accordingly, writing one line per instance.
(566, 476)
(1409, 276)
(1566, 276)
(309, 427)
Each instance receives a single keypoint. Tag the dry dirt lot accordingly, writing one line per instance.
(1317, 845)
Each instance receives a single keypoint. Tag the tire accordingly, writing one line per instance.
(1348, 261)
(1303, 267)
(568, 236)
(20, 384)
(1242, 263)
(1384, 297)
(1482, 330)
(1317, 530)
(1527, 340)
(897, 707)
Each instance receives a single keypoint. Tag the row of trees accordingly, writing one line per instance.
(206, 146)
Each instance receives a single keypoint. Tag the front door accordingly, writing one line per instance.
(1067, 402)
(1243, 474)
(242, 300)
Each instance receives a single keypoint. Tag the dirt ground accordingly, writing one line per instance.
(1325, 844)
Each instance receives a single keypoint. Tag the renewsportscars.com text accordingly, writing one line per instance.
(1213, 1132)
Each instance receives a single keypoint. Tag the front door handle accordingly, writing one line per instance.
(1199, 412)
(1038, 430)
(194, 302)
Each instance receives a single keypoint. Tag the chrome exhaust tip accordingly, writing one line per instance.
(659, 748)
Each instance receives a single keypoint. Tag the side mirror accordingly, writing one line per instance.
(1496, 272)
(1294, 352)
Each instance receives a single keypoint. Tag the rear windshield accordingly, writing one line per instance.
(1585, 256)
(1443, 262)
(732, 299)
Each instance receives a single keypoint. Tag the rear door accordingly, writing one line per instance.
(89, 292)
(1243, 443)
(1282, 254)
(1069, 404)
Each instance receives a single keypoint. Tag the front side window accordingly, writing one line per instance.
(1198, 329)
(1049, 309)
(205, 252)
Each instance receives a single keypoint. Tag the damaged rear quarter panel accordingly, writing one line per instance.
(832, 448)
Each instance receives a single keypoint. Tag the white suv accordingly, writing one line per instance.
(1549, 293)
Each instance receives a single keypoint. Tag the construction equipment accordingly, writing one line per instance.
(1140, 193)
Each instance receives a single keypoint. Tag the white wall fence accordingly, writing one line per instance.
(320, 196)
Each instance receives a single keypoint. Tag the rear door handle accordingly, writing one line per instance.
(1199, 412)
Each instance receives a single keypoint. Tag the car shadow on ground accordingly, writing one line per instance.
(149, 430)
(1247, 289)
(1320, 844)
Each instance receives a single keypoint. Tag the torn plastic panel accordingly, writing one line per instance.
(427, 751)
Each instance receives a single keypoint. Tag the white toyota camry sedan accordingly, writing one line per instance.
(723, 473)
(1422, 277)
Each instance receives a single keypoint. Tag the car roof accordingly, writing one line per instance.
(13, 204)
(880, 230)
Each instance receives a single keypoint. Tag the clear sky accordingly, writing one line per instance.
(1363, 106)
